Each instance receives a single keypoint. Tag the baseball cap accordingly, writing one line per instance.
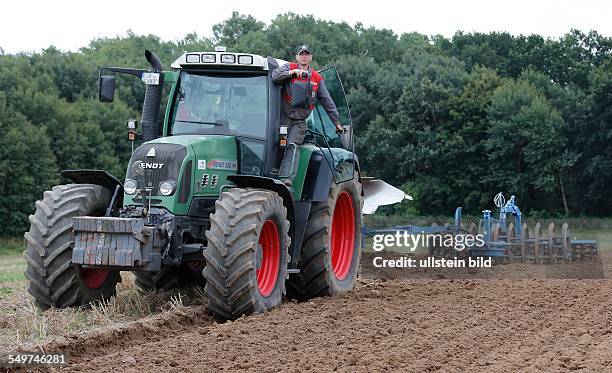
(303, 48)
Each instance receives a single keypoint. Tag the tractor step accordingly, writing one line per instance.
(189, 248)
(293, 270)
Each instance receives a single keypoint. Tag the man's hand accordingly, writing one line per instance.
(295, 72)
(339, 129)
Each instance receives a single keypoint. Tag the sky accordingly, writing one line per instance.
(28, 25)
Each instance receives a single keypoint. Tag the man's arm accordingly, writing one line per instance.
(281, 73)
(328, 104)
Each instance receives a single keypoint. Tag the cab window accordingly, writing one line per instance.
(220, 104)
(339, 154)
(320, 122)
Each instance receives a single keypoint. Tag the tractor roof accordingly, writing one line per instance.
(229, 59)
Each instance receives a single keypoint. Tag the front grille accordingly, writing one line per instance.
(163, 166)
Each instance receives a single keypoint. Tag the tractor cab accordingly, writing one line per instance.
(232, 94)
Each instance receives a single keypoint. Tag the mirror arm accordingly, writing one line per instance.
(122, 70)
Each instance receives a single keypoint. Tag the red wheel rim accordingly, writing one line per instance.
(269, 243)
(94, 278)
(343, 236)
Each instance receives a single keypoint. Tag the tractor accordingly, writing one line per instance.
(202, 202)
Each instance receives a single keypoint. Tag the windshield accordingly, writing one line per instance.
(221, 104)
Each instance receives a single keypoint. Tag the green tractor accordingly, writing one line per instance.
(202, 202)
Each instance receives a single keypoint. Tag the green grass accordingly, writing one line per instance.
(11, 272)
(12, 265)
(604, 238)
(11, 246)
(11, 276)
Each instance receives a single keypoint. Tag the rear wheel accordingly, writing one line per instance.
(330, 255)
(246, 257)
(54, 281)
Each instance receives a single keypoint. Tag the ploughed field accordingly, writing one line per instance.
(511, 317)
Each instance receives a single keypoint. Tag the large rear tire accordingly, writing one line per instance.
(329, 261)
(54, 281)
(246, 257)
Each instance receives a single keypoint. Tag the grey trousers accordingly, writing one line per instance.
(295, 135)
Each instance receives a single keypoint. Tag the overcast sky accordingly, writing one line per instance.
(27, 25)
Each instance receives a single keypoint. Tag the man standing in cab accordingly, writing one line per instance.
(302, 86)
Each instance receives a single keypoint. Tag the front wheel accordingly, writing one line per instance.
(53, 280)
(246, 257)
(330, 255)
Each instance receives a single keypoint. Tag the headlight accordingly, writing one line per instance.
(130, 186)
(166, 188)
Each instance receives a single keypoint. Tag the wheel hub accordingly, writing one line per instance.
(343, 236)
(94, 278)
(268, 262)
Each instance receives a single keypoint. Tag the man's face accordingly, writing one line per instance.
(304, 58)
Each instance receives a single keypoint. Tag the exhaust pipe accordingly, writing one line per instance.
(152, 100)
(153, 61)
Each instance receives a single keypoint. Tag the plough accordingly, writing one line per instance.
(506, 240)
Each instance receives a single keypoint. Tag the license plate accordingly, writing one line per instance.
(150, 78)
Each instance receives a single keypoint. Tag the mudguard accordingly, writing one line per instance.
(98, 177)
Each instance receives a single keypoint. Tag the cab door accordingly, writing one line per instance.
(339, 149)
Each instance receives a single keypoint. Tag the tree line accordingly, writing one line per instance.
(451, 121)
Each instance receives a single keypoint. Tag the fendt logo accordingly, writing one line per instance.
(151, 166)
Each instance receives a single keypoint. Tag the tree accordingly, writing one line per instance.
(470, 122)
(412, 142)
(524, 145)
(596, 143)
(451, 121)
(573, 105)
(27, 168)
(228, 32)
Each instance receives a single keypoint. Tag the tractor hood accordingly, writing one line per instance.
(197, 165)
(190, 140)
(213, 158)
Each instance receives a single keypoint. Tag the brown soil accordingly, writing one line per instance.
(397, 322)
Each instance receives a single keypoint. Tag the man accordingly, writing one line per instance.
(301, 85)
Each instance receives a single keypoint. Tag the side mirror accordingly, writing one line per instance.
(106, 88)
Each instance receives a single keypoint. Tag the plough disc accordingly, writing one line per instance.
(566, 242)
(537, 236)
(524, 239)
